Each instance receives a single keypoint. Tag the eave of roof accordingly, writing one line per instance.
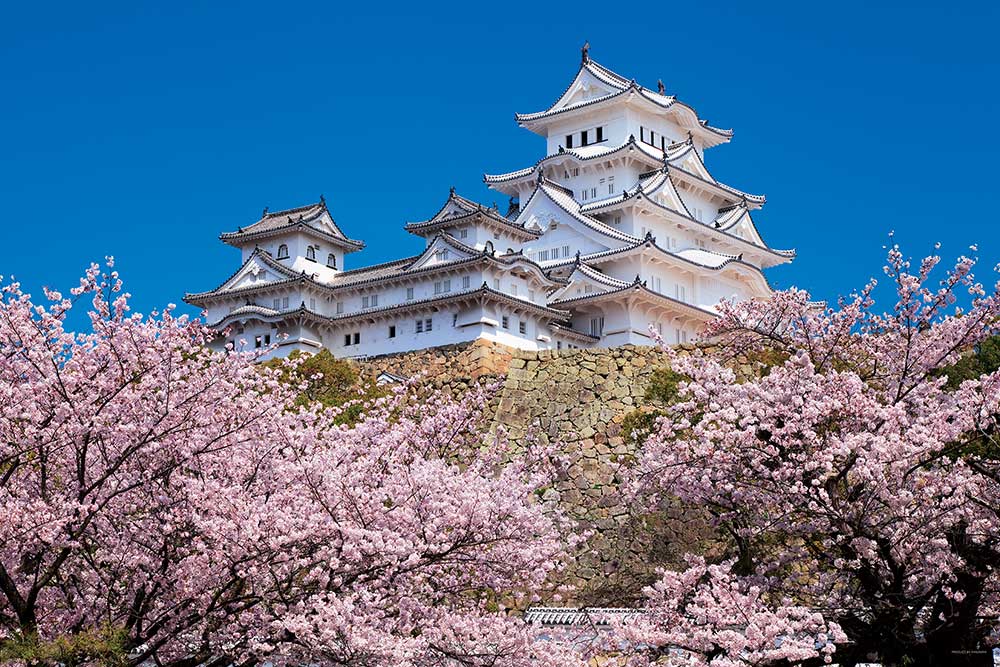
(637, 287)
(484, 291)
(508, 261)
(558, 195)
(624, 87)
(265, 226)
(244, 236)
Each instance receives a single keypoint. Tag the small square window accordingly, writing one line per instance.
(428, 324)
(463, 233)
(392, 331)
(420, 326)
(522, 328)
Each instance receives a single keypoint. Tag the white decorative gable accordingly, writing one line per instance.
(442, 249)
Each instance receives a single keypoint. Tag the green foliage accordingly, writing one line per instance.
(327, 380)
(105, 646)
(664, 385)
(983, 359)
(639, 424)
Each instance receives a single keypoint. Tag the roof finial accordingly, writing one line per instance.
(690, 138)
(541, 176)
(660, 87)
(585, 53)
(577, 261)
(322, 199)
(264, 212)
(451, 191)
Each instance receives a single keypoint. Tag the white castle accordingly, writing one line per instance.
(619, 228)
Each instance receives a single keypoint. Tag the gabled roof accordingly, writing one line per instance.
(403, 268)
(651, 155)
(458, 210)
(484, 292)
(638, 288)
(704, 259)
(617, 87)
(258, 259)
(582, 273)
(314, 219)
(564, 200)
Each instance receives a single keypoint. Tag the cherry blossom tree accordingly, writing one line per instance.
(858, 488)
(166, 504)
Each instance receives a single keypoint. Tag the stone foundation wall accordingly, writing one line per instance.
(578, 398)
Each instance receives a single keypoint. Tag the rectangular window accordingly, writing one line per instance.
(312, 304)
(583, 138)
(454, 320)
(340, 307)
(374, 300)
(531, 295)
(284, 303)
(504, 322)
(513, 289)
(496, 283)
(593, 192)
(618, 220)
(663, 144)
(596, 326)
(463, 233)
(392, 331)
(365, 301)
(600, 134)
(437, 287)
(558, 344)
(347, 340)
(679, 292)
(267, 339)
(565, 251)
(583, 195)
(409, 293)
(522, 328)
(543, 256)
(357, 338)
(576, 171)
(420, 326)
(652, 137)
(611, 188)
(277, 304)
(465, 282)
(428, 324)
(569, 141)
(257, 342)
(642, 133)
(446, 286)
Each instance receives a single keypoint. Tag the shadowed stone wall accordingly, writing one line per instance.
(578, 398)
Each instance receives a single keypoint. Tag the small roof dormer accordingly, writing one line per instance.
(595, 87)
(313, 219)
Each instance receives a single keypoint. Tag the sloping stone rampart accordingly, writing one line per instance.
(578, 398)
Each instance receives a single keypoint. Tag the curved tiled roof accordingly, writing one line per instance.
(272, 223)
(378, 273)
(704, 259)
(621, 87)
(467, 209)
(639, 287)
(655, 156)
(483, 291)
(561, 198)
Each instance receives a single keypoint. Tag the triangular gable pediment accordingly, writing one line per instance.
(585, 87)
(745, 229)
(324, 223)
(441, 249)
(547, 211)
(256, 271)
(691, 162)
(585, 280)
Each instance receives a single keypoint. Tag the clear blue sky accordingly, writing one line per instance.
(144, 131)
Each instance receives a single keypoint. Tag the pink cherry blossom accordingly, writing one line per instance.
(177, 496)
(859, 492)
